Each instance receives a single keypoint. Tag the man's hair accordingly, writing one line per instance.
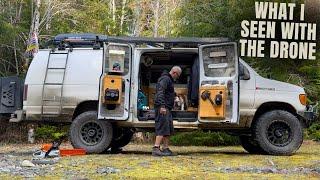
(176, 68)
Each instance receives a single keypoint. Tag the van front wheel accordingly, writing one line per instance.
(89, 133)
(278, 132)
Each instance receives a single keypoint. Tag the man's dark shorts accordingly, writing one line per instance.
(163, 123)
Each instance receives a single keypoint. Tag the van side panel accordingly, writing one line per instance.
(34, 80)
(81, 81)
(275, 91)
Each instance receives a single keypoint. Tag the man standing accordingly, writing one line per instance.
(163, 103)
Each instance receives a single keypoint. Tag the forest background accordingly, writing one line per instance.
(20, 20)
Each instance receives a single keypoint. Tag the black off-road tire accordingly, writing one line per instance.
(250, 145)
(121, 137)
(278, 132)
(89, 133)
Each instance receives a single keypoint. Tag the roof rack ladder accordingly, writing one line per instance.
(58, 86)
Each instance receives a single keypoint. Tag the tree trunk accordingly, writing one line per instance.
(114, 14)
(14, 21)
(15, 57)
(49, 16)
(156, 18)
(122, 15)
(34, 29)
(35, 20)
(167, 23)
(137, 19)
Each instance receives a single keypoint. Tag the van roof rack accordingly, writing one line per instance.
(78, 36)
(89, 39)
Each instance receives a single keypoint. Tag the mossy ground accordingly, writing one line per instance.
(192, 162)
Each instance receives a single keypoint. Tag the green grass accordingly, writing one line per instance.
(313, 132)
(200, 138)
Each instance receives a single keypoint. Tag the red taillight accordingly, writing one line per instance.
(25, 92)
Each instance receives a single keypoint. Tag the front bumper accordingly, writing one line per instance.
(310, 114)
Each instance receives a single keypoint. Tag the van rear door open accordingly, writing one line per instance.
(219, 83)
(115, 82)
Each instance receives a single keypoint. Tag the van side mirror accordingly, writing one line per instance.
(243, 72)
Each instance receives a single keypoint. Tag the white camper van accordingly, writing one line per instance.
(104, 86)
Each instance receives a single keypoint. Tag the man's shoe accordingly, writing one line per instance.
(157, 152)
(115, 150)
(168, 152)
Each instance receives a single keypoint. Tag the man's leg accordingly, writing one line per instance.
(158, 141)
(166, 142)
(159, 138)
(165, 148)
(156, 148)
(166, 139)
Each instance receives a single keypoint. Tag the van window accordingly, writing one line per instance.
(219, 61)
(117, 59)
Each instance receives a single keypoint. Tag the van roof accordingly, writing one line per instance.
(86, 38)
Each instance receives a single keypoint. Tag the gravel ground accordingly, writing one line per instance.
(136, 162)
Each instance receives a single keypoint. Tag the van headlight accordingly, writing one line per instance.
(303, 99)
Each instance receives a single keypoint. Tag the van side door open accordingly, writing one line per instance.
(115, 82)
(219, 83)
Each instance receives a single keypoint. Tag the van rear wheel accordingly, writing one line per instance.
(278, 132)
(250, 145)
(122, 137)
(89, 133)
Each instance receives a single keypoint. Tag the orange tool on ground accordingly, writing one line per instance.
(72, 152)
(47, 148)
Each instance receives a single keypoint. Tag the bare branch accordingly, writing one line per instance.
(6, 62)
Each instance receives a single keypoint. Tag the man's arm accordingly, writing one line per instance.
(161, 89)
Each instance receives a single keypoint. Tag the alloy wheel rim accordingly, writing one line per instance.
(91, 133)
(279, 133)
